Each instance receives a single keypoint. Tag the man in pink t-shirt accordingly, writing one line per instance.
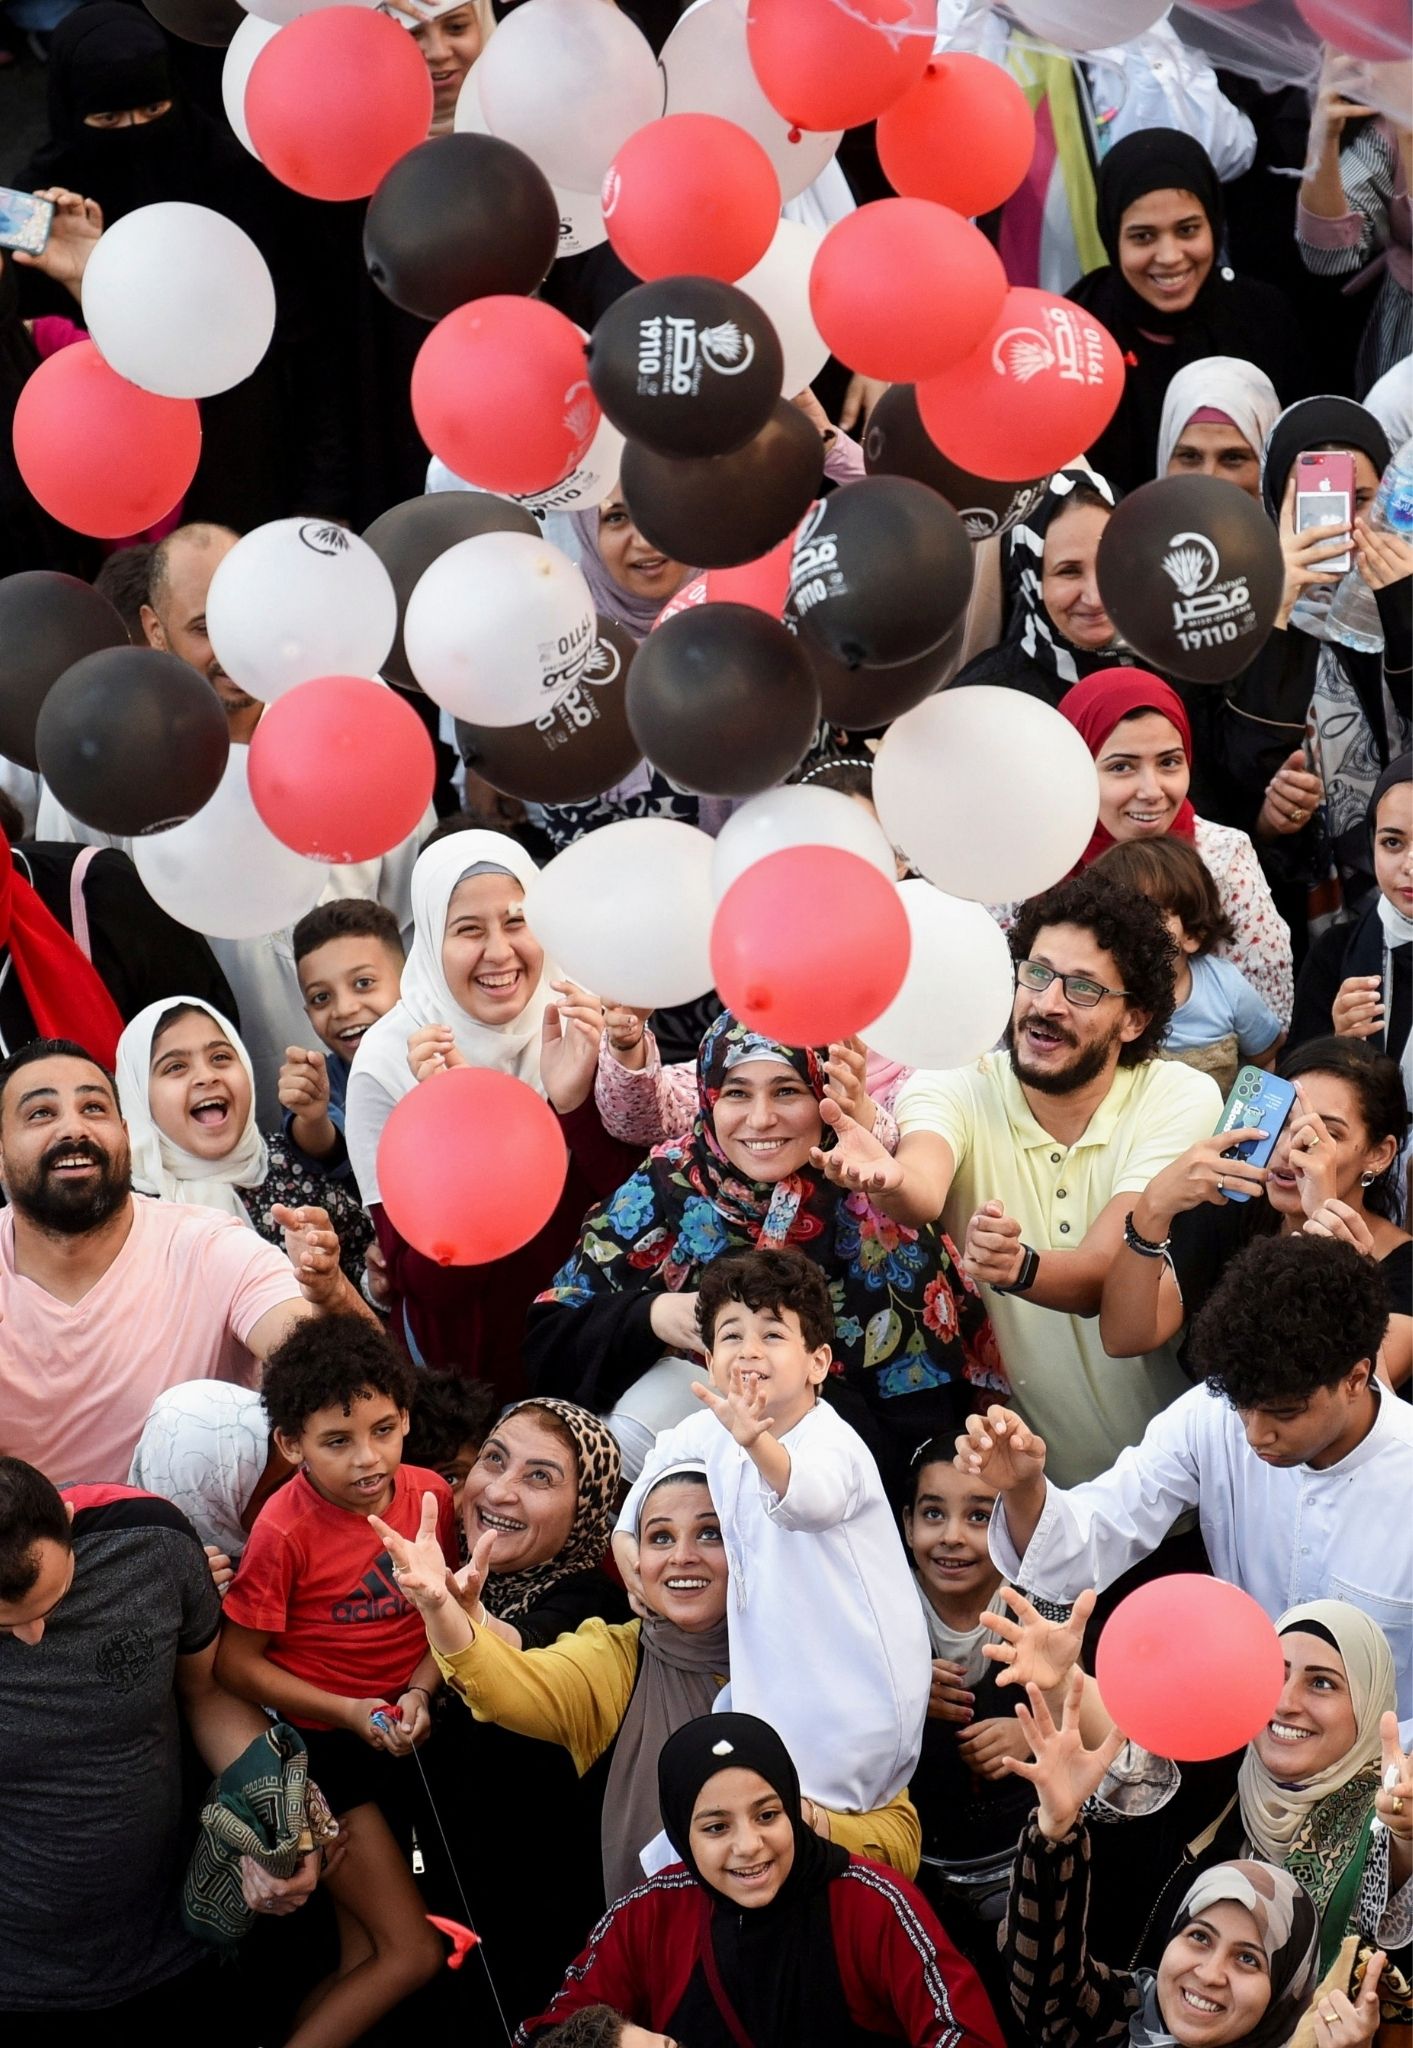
(107, 1299)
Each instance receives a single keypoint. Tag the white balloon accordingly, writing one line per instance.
(241, 52)
(568, 81)
(498, 628)
(297, 599)
(708, 70)
(653, 955)
(1088, 24)
(796, 815)
(281, 11)
(780, 286)
(989, 792)
(591, 482)
(179, 300)
(223, 872)
(955, 1001)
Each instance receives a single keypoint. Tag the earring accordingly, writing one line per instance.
(1366, 1180)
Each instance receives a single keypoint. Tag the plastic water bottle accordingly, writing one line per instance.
(1353, 617)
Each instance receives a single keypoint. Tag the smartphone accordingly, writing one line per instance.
(1258, 1102)
(24, 221)
(1324, 495)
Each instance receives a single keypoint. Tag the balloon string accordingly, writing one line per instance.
(465, 1902)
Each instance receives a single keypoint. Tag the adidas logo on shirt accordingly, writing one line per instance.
(374, 1598)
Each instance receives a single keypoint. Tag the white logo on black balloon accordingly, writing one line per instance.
(1207, 612)
(1192, 562)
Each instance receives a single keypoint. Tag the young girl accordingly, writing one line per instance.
(1220, 1022)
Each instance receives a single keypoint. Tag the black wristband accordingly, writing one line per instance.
(1144, 1246)
(1025, 1279)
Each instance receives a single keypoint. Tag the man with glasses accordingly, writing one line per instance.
(1033, 1155)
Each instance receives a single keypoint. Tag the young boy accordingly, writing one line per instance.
(348, 956)
(827, 1638)
(316, 1627)
(450, 1420)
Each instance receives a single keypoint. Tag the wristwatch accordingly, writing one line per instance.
(1144, 1246)
(1025, 1279)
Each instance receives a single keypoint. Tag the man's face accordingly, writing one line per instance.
(178, 622)
(25, 1618)
(1309, 1431)
(64, 1154)
(1058, 1046)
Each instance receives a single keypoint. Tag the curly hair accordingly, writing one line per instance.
(447, 1413)
(331, 1362)
(1289, 1316)
(1129, 929)
(767, 1280)
(593, 2026)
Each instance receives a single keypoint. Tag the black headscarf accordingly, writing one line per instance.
(774, 1964)
(1315, 423)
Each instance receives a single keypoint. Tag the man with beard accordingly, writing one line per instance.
(107, 1300)
(1034, 1156)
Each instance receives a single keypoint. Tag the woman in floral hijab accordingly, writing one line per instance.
(911, 1332)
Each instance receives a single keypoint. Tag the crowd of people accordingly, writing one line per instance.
(693, 1615)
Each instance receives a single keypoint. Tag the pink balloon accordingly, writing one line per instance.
(341, 769)
(335, 99)
(501, 1163)
(1190, 1667)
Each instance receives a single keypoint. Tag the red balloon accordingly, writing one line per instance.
(694, 195)
(500, 392)
(341, 769)
(963, 136)
(501, 1163)
(810, 944)
(100, 455)
(1039, 390)
(762, 583)
(1375, 29)
(901, 289)
(824, 66)
(1190, 1667)
(335, 99)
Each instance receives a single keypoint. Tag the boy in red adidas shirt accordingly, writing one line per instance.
(314, 1625)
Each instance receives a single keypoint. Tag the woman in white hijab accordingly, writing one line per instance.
(1216, 416)
(186, 1089)
(477, 991)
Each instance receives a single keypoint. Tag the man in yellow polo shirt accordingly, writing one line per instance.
(1034, 1155)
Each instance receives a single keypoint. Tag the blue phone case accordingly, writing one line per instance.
(1258, 1102)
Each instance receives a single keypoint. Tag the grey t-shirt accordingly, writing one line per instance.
(91, 1822)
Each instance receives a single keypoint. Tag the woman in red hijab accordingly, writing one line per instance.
(1136, 728)
(47, 988)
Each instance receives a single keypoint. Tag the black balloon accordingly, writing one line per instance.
(458, 218)
(867, 699)
(1190, 572)
(896, 444)
(721, 510)
(409, 537)
(686, 365)
(47, 623)
(212, 22)
(723, 700)
(880, 572)
(575, 751)
(132, 740)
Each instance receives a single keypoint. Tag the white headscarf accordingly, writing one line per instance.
(1228, 384)
(381, 1075)
(204, 1447)
(159, 1165)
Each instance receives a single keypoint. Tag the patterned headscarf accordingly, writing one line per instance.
(512, 1594)
(1031, 626)
(1288, 1929)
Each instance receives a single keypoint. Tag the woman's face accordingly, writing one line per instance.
(451, 44)
(634, 563)
(1314, 1724)
(525, 1487)
(1214, 1982)
(1337, 1105)
(129, 117)
(491, 958)
(1212, 448)
(742, 1840)
(1393, 847)
(1143, 777)
(197, 1089)
(1068, 584)
(681, 1557)
(1166, 249)
(766, 1120)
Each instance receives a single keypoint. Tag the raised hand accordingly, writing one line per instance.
(432, 1049)
(1033, 1650)
(741, 1409)
(847, 1082)
(418, 1566)
(1064, 1773)
(312, 1247)
(569, 1046)
(1358, 1010)
(1393, 1802)
(1312, 1155)
(856, 1159)
(1203, 1173)
(1381, 558)
(467, 1585)
(304, 1083)
(625, 1027)
(993, 1251)
(1292, 797)
(1342, 2023)
(1001, 1449)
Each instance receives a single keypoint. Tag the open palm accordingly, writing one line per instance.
(1033, 1650)
(1064, 1773)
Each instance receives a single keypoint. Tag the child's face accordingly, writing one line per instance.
(454, 1470)
(769, 1346)
(348, 984)
(352, 1459)
(197, 1089)
(1393, 847)
(947, 1528)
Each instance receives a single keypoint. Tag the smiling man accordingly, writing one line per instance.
(1034, 1156)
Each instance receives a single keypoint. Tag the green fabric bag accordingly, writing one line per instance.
(260, 1806)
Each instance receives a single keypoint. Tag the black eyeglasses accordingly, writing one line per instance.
(1082, 993)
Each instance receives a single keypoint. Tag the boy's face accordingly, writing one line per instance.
(352, 1459)
(454, 1470)
(348, 984)
(769, 1346)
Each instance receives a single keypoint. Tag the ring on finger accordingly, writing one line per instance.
(1221, 1185)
